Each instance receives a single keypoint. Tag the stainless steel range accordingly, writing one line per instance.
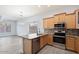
(59, 33)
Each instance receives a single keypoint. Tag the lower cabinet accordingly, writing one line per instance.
(70, 43)
(34, 45)
(50, 39)
(27, 46)
(77, 45)
(31, 45)
(46, 39)
(43, 41)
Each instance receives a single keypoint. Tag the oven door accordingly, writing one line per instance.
(59, 39)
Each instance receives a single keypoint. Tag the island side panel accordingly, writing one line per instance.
(27, 46)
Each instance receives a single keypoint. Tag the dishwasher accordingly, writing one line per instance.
(36, 45)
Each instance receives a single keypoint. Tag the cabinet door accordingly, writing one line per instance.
(62, 17)
(45, 23)
(27, 46)
(43, 41)
(70, 42)
(77, 19)
(77, 45)
(56, 18)
(51, 23)
(50, 39)
(70, 21)
(48, 23)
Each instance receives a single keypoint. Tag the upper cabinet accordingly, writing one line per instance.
(70, 21)
(77, 19)
(56, 19)
(62, 17)
(59, 18)
(45, 23)
(48, 23)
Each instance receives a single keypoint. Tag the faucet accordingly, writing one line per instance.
(38, 31)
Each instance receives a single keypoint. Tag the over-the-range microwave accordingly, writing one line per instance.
(59, 25)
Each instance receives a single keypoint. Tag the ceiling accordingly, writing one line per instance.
(24, 10)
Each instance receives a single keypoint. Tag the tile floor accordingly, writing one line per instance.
(59, 45)
(53, 50)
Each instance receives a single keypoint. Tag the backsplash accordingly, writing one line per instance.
(72, 32)
(68, 31)
(49, 31)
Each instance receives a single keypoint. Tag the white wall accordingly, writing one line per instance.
(39, 17)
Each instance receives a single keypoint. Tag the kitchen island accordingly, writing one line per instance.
(32, 45)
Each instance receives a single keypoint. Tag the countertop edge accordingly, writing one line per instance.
(25, 37)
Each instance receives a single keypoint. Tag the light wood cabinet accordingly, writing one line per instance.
(70, 43)
(59, 18)
(46, 39)
(50, 39)
(27, 46)
(45, 25)
(77, 44)
(62, 17)
(77, 18)
(43, 41)
(48, 23)
(51, 22)
(56, 19)
(31, 45)
(70, 21)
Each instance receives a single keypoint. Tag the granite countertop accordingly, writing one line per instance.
(73, 36)
(32, 37)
